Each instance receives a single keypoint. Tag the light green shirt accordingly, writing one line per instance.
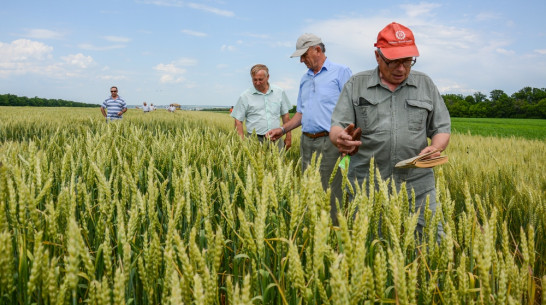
(261, 111)
(395, 125)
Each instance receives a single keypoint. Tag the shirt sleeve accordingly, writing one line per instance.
(344, 114)
(344, 76)
(285, 104)
(439, 120)
(299, 101)
(239, 111)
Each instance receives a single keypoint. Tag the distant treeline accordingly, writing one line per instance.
(529, 103)
(14, 100)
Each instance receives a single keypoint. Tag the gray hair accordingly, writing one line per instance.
(257, 68)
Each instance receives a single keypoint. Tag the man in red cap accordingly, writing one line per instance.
(397, 109)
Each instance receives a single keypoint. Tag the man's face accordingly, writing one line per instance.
(260, 81)
(393, 71)
(114, 92)
(311, 58)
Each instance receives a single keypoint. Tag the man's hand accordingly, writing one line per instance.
(274, 134)
(348, 139)
(355, 135)
(287, 142)
(439, 142)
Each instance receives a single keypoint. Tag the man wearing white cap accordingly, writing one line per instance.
(319, 90)
(397, 109)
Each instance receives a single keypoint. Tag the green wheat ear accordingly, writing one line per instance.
(176, 208)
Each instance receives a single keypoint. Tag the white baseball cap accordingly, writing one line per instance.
(304, 42)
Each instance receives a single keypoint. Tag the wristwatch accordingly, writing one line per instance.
(283, 131)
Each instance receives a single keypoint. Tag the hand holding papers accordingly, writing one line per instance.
(421, 161)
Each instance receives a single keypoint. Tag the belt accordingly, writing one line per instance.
(316, 135)
(259, 136)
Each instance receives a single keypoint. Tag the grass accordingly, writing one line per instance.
(531, 129)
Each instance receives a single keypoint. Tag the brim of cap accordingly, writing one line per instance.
(400, 52)
(299, 52)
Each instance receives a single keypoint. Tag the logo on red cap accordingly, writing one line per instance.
(396, 41)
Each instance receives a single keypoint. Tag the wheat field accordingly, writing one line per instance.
(174, 208)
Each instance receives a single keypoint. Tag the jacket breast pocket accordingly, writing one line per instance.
(367, 115)
(417, 114)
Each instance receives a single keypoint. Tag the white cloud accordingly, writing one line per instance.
(42, 34)
(112, 77)
(487, 16)
(169, 78)
(228, 48)
(211, 9)
(416, 10)
(174, 72)
(175, 3)
(194, 33)
(90, 47)
(260, 36)
(185, 62)
(79, 60)
(119, 39)
(541, 51)
(197, 6)
(169, 69)
(25, 56)
(287, 83)
(447, 86)
(283, 44)
(505, 52)
(24, 49)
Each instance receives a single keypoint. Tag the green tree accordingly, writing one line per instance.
(530, 95)
(503, 105)
(480, 97)
(541, 108)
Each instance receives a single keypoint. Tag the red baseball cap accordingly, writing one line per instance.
(396, 41)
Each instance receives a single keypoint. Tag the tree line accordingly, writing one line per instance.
(14, 100)
(529, 103)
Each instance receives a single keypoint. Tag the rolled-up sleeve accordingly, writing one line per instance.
(439, 120)
(239, 111)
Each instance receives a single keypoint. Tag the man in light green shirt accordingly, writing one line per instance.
(261, 106)
(397, 109)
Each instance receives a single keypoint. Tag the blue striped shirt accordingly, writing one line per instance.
(114, 106)
(318, 95)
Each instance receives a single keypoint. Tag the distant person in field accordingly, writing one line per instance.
(261, 106)
(114, 106)
(397, 109)
(320, 87)
(152, 107)
(145, 107)
(230, 112)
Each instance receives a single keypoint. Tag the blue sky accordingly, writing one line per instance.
(200, 52)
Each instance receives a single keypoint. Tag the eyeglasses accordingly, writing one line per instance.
(393, 64)
(114, 91)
